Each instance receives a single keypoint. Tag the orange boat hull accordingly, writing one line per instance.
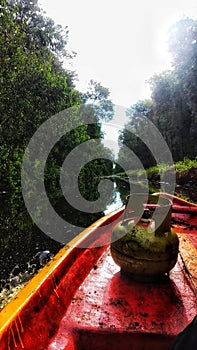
(81, 300)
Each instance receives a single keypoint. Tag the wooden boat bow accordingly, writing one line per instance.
(81, 300)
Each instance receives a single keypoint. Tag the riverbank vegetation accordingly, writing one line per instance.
(173, 104)
(183, 169)
(35, 85)
(185, 173)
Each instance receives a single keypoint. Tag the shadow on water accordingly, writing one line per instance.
(21, 242)
(23, 245)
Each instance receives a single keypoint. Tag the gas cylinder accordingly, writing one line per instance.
(143, 243)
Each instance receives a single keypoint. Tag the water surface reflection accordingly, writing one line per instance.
(22, 243)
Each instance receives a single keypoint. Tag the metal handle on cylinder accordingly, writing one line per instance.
(139, 204)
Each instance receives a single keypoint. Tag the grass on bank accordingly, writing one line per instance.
(181, 166)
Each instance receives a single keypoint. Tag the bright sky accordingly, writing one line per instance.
(120, 44)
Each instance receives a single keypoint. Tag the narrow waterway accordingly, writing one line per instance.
(24, 248)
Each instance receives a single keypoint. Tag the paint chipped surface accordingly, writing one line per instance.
(109, 302)
(109, 298)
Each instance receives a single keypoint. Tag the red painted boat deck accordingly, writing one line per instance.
(112, 310)
(81, 300)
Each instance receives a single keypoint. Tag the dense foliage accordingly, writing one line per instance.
(173, 104)
(34, 86)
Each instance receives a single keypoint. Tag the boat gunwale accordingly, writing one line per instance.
(16, 306)
(18, 303)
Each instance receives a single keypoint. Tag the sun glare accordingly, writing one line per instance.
(119, 46)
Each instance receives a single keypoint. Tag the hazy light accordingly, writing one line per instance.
(120, 44)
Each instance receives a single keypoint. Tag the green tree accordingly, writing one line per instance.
(174, 92)
(34, 84)
(128, 136)
(34, 87)
(98, 96)
(183, 46)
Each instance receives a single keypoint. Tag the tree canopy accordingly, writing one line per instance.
(35, 85)
(173, 104)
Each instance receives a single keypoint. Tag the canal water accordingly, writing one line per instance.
(24, 248)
